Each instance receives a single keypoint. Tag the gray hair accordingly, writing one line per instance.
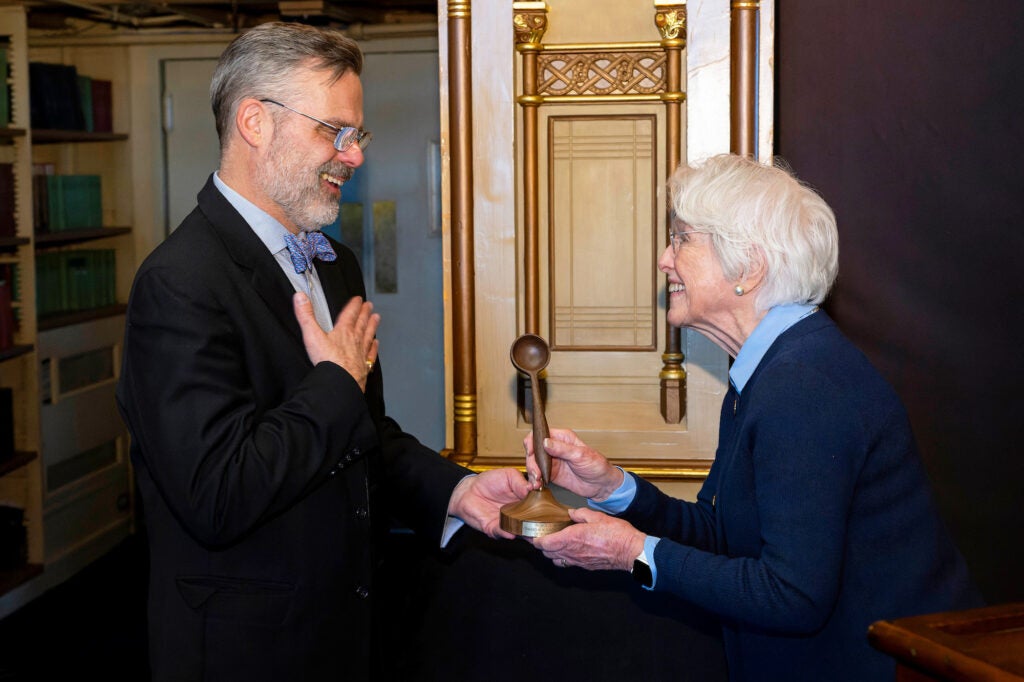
(755, 211)
(262, 62)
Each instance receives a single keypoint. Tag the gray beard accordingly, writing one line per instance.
(305, 204)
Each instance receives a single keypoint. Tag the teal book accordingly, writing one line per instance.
(81, 202)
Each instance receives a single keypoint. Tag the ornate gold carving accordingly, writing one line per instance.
(530, 21)
(671, 23)
(601, 73)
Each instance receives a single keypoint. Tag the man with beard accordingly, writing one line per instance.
(250, 385)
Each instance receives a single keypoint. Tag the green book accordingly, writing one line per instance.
(55, 203)
(76, 267)
(44, 284)
(85, 98)
(111, 278)
(94, 200)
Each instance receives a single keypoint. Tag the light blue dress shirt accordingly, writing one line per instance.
(272, 234)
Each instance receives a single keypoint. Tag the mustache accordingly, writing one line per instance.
(340, 171)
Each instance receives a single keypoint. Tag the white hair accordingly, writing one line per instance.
(754, 211)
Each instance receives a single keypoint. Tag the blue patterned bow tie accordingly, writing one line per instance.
(303, 251)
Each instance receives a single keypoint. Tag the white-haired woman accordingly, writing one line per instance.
(816, 517)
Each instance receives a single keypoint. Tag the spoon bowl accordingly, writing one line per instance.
(530, 353)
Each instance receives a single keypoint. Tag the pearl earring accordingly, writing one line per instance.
(739, 290)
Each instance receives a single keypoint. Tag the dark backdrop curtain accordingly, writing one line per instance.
(908, 117)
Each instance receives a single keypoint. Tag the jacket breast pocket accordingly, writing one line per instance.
(237, 600)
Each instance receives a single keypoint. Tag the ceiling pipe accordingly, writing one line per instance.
(115, 17)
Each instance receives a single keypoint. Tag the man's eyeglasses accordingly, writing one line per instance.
(345, 138)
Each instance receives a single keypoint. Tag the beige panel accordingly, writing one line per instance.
(600, 21)
(602, 232)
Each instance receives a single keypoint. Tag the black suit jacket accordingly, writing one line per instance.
(262, 477)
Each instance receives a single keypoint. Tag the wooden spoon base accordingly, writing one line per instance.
(537, 514)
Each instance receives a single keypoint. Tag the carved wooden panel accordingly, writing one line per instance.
(602, 231)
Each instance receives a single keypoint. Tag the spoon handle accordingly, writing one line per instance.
(540, 431)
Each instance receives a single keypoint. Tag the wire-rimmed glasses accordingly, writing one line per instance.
(345, 138)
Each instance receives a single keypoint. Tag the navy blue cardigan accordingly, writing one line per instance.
(816, 518)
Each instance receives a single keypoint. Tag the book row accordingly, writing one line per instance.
(65, 202)
(63, 99)
(60, 203)
(72, 281)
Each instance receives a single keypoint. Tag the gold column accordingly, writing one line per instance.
(530, 21)
(460, 130)
(670, 18)
(743, 77)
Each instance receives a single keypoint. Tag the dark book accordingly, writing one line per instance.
(102, 106)
(13, 538)
(5, 89)
(6, 424)
(54, 96)
(40, 197)
(8, 222)
(7, 320)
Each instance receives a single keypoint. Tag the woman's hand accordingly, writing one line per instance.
(575, 466)
(595, 542)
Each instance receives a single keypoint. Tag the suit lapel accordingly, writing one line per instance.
(251, 255)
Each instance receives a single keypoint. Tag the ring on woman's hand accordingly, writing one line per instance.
(369, 365)
(562, 562)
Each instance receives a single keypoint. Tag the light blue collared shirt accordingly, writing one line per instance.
(272, 233)
(772, 325)
(775, 322)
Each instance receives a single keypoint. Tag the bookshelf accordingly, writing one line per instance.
(21, 471)
(74, 257)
